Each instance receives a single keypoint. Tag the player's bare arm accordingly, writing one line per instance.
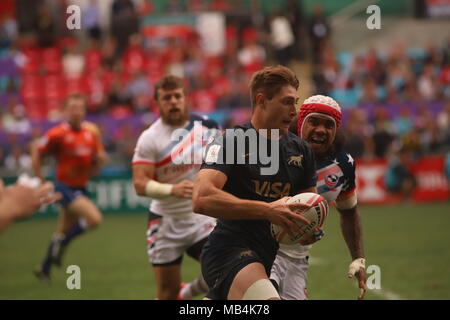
(36, 161)
(211, 200)
(101, 158)
(352, 231)
(145, 185)
(351, 228)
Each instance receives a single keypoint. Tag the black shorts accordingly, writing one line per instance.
(220, 264)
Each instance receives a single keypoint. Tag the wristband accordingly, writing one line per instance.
(156, 190)
(348, 203)
(356, 265)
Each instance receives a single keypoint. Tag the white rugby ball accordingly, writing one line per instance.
(316, 215)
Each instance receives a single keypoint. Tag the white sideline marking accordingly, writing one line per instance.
(389, 295)
(386, 294)
(314, 261)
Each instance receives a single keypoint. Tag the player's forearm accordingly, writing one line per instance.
(351, 228)
(95, 169)
(9, 211)
(36, 164)
(100, 160)
(219, 204)
(4, 221)
(5, 216)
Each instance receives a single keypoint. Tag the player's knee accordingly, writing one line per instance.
(93, 216)
(262, 289)
(94, 221)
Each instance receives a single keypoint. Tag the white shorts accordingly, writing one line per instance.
(291, 276)
(168, 238)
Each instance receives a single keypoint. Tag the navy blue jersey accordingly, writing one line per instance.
(335, 175)
(296, 171)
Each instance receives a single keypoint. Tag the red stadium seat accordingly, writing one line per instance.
(203, 100)
(54, 86)
(154, 64)
(36, 109)
(125, 78)
(67, 42)
(154, 69)
(53, 104)
(31, 87)
(155, 75)
(107, 79)
(134, 59)
(51, 60)
(94, 83)
(33, 57)
(77, 85)
(93, 59)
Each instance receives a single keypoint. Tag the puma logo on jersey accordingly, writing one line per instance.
(247, 253)
(295, 161)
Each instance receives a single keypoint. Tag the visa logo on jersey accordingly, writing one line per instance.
(273, 190)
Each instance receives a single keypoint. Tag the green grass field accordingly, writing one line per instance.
(410, 244)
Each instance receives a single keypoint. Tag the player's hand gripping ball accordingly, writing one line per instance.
(316, 215)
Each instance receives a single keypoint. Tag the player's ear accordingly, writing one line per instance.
(260, 100)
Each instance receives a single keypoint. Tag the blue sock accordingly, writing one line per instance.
(75, 231)
(47, 263)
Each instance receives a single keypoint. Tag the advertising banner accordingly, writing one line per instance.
(111, 195)
(432, 185)
(429, 173)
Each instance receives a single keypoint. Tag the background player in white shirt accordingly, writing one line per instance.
(318, 121)
(165, 163)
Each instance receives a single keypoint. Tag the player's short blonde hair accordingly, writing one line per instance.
(270, 80)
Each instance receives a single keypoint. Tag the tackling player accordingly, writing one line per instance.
(240, 251)
(76, 144)
(318, 121)
(164, 168)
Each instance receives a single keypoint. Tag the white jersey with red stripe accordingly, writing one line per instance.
(335, 178)
(177, 155)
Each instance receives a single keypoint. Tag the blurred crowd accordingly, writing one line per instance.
(386, 96)
(399, 75)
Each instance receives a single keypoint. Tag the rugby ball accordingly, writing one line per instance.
(316, 214)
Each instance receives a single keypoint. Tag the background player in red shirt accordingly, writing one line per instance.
(79, 153)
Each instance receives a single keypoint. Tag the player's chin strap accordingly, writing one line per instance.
(355, 266)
